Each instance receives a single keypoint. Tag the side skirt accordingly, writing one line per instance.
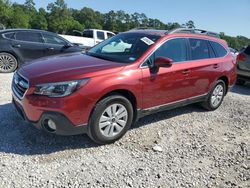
(144, 112)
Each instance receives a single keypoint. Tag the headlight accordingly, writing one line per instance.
(59, 89)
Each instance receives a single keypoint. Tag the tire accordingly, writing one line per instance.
(8, 63)
(215, 96)
(105, 126)
(240, 82)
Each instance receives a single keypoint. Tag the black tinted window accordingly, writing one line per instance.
(199, 49)
(211, 51)
(100, 35)
(174, 49)
(29, 36)
(51, 39)
(88, 34)
(219, 49)
(247, 50)
(110, 35)
(9, 35)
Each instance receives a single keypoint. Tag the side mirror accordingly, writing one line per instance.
(163, 62)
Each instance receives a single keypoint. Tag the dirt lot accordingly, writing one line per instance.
(199, 149)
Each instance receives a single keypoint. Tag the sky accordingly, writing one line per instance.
(229, 16)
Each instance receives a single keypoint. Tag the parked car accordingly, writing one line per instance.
(89, 37)
(18, 46)
(124, 78)
(234, 52)
(243, 66)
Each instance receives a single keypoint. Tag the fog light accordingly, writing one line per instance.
(49, 125)
(52, 125)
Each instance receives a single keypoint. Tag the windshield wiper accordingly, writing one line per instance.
(98, 56)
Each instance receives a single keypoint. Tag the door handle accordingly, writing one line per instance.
(186, 71)
(51, 48)
(216, 66)
(17, 45)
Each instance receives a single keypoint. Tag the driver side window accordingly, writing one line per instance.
(175, 49)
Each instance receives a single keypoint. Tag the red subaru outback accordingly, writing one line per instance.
(136, 73)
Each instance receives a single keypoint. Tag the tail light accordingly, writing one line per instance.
(241, 57)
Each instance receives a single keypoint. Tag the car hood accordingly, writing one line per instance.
(66, 67)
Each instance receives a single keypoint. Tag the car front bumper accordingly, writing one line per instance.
(63, 125)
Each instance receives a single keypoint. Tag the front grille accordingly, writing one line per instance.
(19, 85)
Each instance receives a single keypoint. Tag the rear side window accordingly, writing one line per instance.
(247, 50)
(88, 34)
(29, 36)
(9, 35)
(100, 35)
(219, 49)
(199, 49)
(175, 49)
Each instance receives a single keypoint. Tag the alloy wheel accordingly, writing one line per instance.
(8, 63)
(217, 95)
(113, 120)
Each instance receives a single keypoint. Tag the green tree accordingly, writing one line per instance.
(60, 19)
(19, 18)
(190, 24)
(5, 12)
(39, 21)
(89, 18)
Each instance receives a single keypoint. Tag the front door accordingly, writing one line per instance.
(167, 85)
(53, 44)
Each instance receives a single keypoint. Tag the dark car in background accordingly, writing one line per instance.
(18, 46)
(243, 66)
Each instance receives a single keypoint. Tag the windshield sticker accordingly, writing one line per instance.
(147, 41)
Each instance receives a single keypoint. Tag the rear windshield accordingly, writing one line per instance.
(247, 50)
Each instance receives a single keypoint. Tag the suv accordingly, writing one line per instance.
(243, 66)
(133, 74)
(18, 46)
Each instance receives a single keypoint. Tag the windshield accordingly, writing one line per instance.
(125, 47)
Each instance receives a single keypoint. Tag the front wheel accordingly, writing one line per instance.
(216, 96)
(8, 63)
(111, 119)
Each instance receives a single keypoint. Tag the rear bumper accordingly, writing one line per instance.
(63, 125)
(244, 75)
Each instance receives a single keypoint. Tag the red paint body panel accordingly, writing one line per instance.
(167, 86)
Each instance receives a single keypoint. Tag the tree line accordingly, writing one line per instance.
(59, 18)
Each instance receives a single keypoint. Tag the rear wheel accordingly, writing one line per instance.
(8, 63)
(111, 119)
(216, 96)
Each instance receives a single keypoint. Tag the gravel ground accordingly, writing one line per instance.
(186, 147)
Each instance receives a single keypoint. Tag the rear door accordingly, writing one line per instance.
(100, 36)
(89, 38)
(28, 45)
(203, 67)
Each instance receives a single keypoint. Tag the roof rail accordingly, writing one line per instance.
(142, 28)
(194, 31)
